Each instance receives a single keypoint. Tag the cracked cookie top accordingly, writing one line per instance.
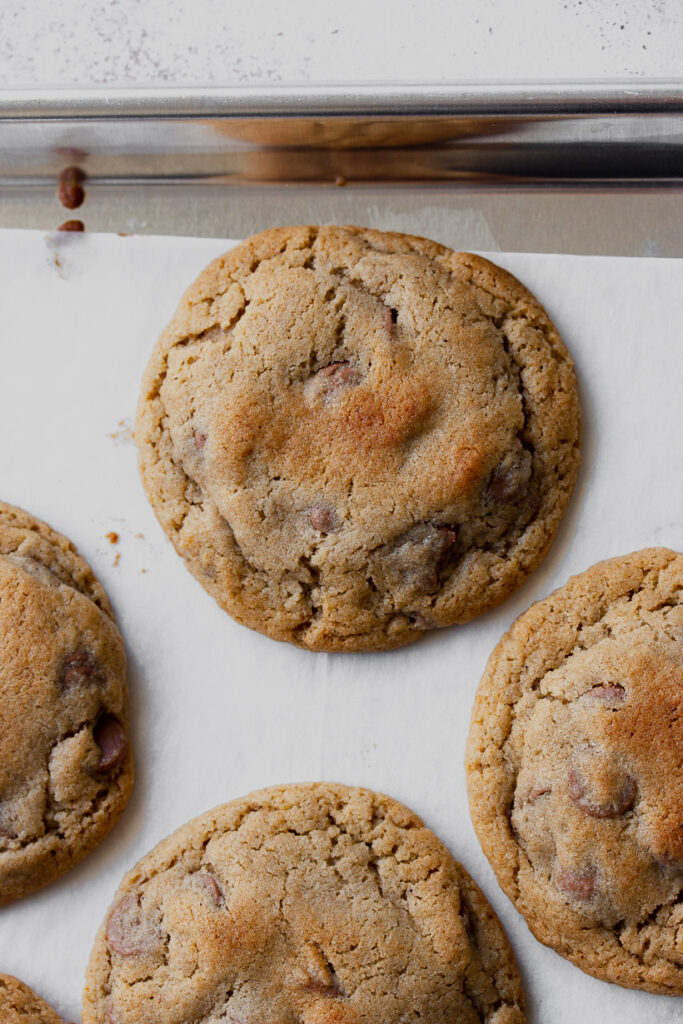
(302, 904)
(20, 1005)
(66, 769)
(575, 769)
(353, 436)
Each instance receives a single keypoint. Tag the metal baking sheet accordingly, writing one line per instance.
(584, 167)
(218, 710)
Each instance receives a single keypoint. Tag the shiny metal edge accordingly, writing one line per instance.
(502, 99)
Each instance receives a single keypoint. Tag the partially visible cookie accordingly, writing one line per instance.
(313, 903)
(575, 769)
(20, 1005)
(354, 436)
(66, 766)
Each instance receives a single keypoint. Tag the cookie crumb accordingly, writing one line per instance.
(72, 225)
(70, 191)
(112, 537)
(124, 434)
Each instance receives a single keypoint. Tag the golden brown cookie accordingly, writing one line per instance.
(66, 767)
(353, 436)
(20, 1005)
(311, 903)
(575, 769)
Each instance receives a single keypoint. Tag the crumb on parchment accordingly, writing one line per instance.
(124, 434)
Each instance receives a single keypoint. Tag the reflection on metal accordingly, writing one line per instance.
(552, 133)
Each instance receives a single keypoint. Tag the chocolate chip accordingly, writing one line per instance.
(110, 737)
(72, 225)
(609, 694)
(581, 885)
(70, 190)
(199, 440)
(208, 885)
(80, 669)
(129, 930)
(420, 555)
(509, 481)
(335, 376)
(323, 519)
(615, 795)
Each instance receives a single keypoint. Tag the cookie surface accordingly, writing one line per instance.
(311, 903)
(20, 1005)
(575, 769)
(66, 768)
(353, 436)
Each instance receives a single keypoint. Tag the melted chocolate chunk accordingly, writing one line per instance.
(600, 794)
(210, 888)
(323, 519)
(81, 669)
(332, 378)
(419, 557)
(582, 885)
(110, 737)
(129, 930)
(509, 482)
(609, 694)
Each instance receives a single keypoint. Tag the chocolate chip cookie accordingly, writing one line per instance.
(66, 768)
(575, 769)
(352, 437)
(20, 1005)
(313, 903)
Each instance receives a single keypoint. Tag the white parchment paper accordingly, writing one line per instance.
(218, 710)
